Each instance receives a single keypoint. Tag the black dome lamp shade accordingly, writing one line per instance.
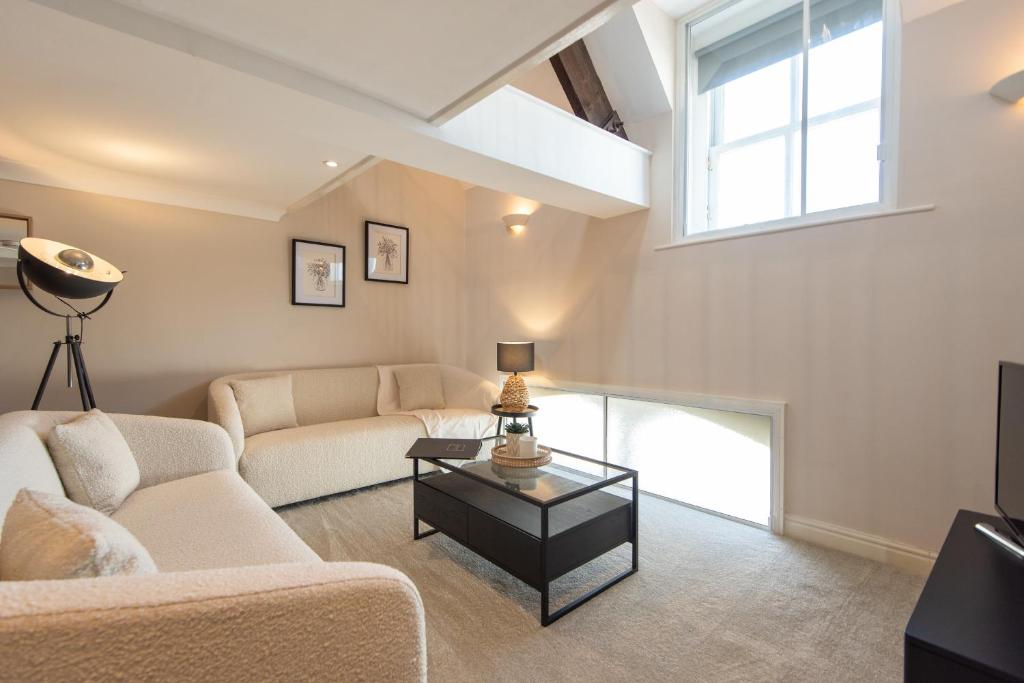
(66, 272)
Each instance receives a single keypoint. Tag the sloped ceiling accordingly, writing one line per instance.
(90, 107)
(415, 55)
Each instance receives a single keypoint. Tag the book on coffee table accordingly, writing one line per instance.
(448, 449)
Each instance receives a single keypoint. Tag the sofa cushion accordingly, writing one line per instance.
(209, 521)
(48, 537)
(332, 394)
(462, 389)
(265, 403)
(419, 387)
(94, 461)
(317, 460)
(24, 458)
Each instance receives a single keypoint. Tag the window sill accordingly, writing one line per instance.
(825, 218)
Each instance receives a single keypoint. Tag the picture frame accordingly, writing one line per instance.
(13, 227)
(387, 253)
(318, 273)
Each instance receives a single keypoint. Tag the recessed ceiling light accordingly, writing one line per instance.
(331, 163)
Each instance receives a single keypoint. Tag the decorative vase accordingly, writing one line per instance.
(512, 444)
(514, 395)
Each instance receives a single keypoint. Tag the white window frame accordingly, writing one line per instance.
(888, 149)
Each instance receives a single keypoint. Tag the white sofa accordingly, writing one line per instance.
(352, 432)
(238, 595)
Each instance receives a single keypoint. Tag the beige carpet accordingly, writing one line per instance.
(714, 601)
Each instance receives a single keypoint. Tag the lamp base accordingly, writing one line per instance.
(514, 395)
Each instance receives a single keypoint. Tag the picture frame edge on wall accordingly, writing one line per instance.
(28, 233)
(366, 252)
(294, 279)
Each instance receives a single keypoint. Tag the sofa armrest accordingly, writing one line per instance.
(169, 448)
(222, 408)
(331, 621)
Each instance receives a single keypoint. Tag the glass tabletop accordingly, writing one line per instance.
(568, 476)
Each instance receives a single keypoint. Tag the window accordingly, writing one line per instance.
(715, 459)
(785, 111)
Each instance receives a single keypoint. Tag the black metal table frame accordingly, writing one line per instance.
(546, 616)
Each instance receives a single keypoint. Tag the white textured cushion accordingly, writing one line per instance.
(47, 536)
(300, 464)
(462, 389)
(265, 403)
(419, 387)
(94, 462)
(25, 461)
(209, 521)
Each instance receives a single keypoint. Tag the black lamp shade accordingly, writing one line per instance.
(515, 356)
(63, 270)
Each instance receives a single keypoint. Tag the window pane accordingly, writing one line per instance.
(714, 459)
(842, 163)
(757, 102)
(750, 184)
(746, 138)
(570, 422)
(844, 76)
(744, 37)
(845, 71)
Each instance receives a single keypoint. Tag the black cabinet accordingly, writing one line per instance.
(969, 621)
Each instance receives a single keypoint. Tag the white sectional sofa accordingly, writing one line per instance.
(238, 595)
(351, 429)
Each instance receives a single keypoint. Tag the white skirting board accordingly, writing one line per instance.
(906, 557)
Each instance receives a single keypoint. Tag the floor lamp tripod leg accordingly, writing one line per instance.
(76, 354)
(85, 381)
(46, 376)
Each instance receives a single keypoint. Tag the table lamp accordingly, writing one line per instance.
(515, 357)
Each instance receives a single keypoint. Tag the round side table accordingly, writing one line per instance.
(502, 414)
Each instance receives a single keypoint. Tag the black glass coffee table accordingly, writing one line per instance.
(538, 523)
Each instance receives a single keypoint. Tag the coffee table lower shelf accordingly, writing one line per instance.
(536, 544)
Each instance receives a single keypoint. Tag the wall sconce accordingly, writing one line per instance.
(515, 223)
(1010, 88)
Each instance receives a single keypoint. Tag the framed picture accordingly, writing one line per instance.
(12, 229)
(318, 274)
(387, 253)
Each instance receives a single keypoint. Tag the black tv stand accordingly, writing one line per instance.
(969, 621)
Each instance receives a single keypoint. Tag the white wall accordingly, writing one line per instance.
(882, 336)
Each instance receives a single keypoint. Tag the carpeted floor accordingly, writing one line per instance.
(714, 601)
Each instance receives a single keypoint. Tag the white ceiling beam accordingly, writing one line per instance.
(457, 150)
(585, 25)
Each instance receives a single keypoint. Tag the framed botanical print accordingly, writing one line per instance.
(318, 273)
(12, 229)
(387, 253)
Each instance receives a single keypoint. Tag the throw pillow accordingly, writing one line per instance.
(265, 403)
(419, 387)
(46, 536)
(94, 461)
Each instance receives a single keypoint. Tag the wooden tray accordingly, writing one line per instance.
(499, 456)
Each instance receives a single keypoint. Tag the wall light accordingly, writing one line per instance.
(1010, 88)
(515, 223)
(331, 163)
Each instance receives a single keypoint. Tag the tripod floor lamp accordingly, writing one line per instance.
(66, 272)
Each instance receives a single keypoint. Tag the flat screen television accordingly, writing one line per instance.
(1010, 448)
